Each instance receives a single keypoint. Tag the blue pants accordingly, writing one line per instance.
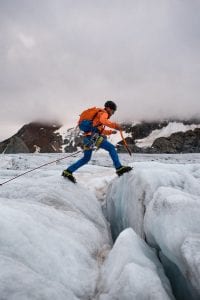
(88, 153)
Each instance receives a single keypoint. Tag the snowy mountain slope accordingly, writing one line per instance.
(150, 141)
(144, 137)
(72, 138)
(172, 127)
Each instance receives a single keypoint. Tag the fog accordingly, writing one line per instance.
(59, 57)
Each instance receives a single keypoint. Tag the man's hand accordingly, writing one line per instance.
(114, 131)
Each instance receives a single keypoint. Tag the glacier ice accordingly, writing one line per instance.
(161, 202)
(55, 242)
(51, 234)
(132, 271)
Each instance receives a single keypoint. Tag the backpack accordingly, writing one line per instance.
(85, 122)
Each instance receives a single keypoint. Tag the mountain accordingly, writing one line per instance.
(163, 137)
(168, 136)
(34, 137)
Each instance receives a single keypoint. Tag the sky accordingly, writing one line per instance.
(59, 57)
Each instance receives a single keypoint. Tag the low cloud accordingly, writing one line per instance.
(59, 57)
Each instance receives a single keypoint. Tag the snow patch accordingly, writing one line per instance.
(172, 127)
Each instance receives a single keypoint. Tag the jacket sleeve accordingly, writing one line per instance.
(107, 132)
(105, 121)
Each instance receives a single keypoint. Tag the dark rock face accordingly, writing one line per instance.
(43, 138)
(142, 130)
(169, 145)
(33, 136)
(14, 145)
(179, 142)
(139, 131)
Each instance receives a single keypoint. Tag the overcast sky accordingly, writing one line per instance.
(58, 57)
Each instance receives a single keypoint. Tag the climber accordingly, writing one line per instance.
(93, 121)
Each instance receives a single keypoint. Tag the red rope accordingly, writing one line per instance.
(40, 167)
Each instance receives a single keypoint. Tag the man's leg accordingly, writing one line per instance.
(81, 162)
(84, 160)
(120, 170)
(112, 151)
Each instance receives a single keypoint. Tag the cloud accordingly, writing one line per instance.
(27, 41)
(58, 57)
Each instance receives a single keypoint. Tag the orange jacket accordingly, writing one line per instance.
(102, 120)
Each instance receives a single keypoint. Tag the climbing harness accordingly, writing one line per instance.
(94, 142)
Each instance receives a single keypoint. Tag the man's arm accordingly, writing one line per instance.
(105, 121)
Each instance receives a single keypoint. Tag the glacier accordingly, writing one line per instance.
(160, 201)
(51, 235)
(56, 241)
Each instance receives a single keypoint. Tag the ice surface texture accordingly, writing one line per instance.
(51, 233)
(167, 198)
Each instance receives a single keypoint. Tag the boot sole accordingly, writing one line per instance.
(127, 171)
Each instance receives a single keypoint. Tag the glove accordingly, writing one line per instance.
(114, 131)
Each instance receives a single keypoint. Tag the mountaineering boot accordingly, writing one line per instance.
(120, 171)
(69, 176)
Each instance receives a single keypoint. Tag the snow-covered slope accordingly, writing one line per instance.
(172, 127)
(71, 137)
(142, 137)
(179, 144)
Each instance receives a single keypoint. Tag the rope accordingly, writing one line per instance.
(74, 154)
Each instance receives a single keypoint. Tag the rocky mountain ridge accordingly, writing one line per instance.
(185, 139)
(169, 136)
(34, 137)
